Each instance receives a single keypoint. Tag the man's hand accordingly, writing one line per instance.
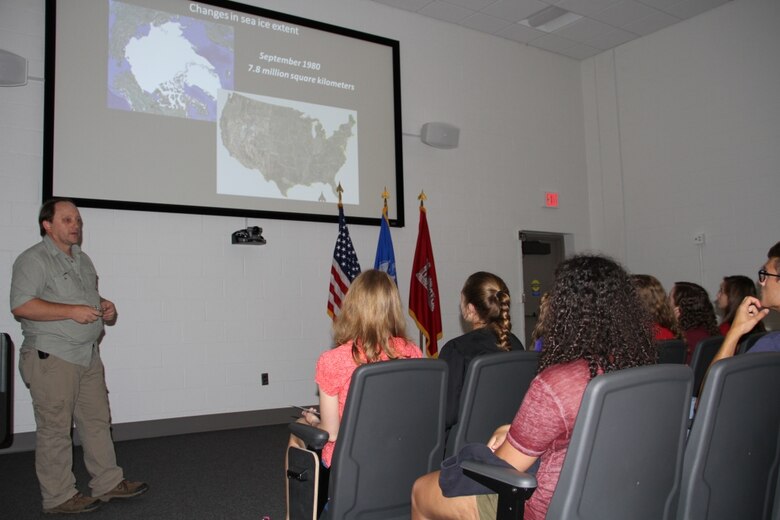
(84, 314)
(109, 311)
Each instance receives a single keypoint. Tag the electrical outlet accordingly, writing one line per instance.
(698, 239)
(264, 378)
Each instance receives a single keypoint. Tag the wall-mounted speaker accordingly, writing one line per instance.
(13, 69)
(440, 135)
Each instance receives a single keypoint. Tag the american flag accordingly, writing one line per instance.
(344, 269)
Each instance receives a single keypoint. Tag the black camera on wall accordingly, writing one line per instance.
(252, 235)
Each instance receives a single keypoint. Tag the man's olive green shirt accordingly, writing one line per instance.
(45, 272)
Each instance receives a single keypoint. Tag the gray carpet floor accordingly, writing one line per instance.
(232, 474)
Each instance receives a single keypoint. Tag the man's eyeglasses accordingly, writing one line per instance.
(762, 274)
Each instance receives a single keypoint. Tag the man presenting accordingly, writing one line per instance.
(752, 310)
(54, 294)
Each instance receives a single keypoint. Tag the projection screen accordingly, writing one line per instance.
(219, 108)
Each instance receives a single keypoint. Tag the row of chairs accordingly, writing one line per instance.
(629, 457)
(392, 432)
(674, 351)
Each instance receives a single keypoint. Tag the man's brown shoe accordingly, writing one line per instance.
(78, 503)
(125, 489)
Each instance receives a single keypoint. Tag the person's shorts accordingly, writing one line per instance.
(487, 506)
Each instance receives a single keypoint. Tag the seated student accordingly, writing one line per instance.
(541, 323)
(734, 289)
(596, 324)
(370, 328)
(752, 310)
(484, 305)
(695, 314)
(654, 298)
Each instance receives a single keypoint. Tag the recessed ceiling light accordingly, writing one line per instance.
(550, 19)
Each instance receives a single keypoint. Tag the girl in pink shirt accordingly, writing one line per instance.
(595, 324)
(370, 328)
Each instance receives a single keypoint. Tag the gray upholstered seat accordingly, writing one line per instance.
(391, 433)
(731, 461)
(493, 389)
(671, 351)
(625, 456)
(702, 358)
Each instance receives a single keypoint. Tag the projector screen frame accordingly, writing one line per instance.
(395, 202)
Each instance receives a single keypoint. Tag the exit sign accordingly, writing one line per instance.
(551, 199)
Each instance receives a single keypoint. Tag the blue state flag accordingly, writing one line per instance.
(385, 257)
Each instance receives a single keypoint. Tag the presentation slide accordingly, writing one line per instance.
(223, 108)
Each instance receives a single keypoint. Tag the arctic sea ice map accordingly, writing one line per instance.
(167, 64)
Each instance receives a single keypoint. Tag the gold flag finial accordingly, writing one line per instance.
(422, 197)
(385, 196)
(339, 190)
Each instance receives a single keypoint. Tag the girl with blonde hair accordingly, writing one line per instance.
(370, 328)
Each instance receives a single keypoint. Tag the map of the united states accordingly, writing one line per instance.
(285, 145)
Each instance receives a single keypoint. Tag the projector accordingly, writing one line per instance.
(252, 236)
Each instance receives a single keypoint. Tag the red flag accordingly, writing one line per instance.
(424, 289)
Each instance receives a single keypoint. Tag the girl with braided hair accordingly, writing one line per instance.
(694, 312)
(484, 305)
(595, 324)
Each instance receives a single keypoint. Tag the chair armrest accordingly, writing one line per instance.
(314, 438)
(513, 487)
(496, 477)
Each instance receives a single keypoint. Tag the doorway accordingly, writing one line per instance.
(541, 252)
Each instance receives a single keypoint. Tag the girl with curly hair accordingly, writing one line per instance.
(694, 312)
(734, 289)
(653, 297)
(595, 324)
(484, 305)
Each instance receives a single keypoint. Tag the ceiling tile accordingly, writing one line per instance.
(583, 30)
(514, 10)
(659, 4)
(408, 5)
(652, 23)
(689, 8)
(521, 33)
(624, 12)
(474, 5)
(611, 39)
(446, 12)
(485, 23)
(585, 7)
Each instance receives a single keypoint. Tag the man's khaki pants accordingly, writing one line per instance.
(64, 393)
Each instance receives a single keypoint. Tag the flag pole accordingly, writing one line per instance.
(423, 347)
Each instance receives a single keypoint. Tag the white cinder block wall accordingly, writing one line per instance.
(683, 138)
(666, 137)
(199, 319)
